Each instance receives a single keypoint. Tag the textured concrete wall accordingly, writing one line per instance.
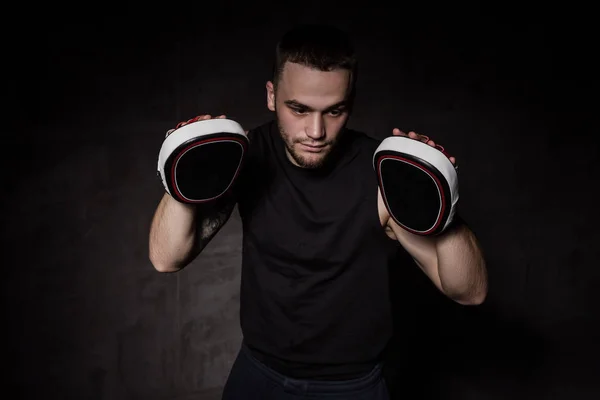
(87, 317)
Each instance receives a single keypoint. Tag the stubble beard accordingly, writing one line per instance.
(315, 162)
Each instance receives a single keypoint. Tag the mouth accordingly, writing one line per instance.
(313, 149)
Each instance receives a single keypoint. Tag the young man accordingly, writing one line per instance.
(317, 238)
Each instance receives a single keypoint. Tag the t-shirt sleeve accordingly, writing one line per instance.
(248, 172)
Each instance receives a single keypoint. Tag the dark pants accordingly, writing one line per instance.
(249, 379)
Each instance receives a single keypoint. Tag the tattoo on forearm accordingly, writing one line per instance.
(214, 220)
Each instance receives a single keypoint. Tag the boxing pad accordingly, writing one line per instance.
(418, 184)
(199, 162)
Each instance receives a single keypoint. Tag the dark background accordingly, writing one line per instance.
(90, 93)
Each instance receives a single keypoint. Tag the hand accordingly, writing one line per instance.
(424, 139)
(195, 119)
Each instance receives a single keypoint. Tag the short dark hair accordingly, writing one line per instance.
(319, 46)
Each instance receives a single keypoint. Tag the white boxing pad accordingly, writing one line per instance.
(418, 183)
(200, 161)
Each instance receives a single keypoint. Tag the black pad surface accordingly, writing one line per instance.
(415, 193)
(204, 170)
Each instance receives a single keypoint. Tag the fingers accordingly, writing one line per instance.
(202, 117)
(413, 135)
(189, 121)
(424, 139)
(198, 118)
(421, 138)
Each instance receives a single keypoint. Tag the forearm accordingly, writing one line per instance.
(172, 235)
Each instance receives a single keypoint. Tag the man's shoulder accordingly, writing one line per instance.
(260, 137)
(261, 130)
(363, 141)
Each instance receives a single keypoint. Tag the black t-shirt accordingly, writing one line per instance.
(314, 292)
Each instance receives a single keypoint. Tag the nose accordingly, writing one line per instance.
(315, 128)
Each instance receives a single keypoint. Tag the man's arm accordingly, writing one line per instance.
(453, 261)
(179, 232)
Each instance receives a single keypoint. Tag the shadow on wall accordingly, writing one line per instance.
(442, 350)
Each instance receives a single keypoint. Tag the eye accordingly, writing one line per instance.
(299, 111)
(336, 113)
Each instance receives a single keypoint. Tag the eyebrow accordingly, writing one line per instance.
(297, 104)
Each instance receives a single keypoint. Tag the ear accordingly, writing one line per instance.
(270, 96)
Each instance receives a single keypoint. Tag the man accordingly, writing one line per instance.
(318, 239)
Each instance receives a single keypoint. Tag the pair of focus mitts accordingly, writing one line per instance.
(200, 161)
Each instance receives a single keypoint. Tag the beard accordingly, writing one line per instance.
(311, 161)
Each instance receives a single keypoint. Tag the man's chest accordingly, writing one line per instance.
(312, 220)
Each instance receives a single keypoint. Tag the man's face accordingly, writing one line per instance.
(311, 111)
